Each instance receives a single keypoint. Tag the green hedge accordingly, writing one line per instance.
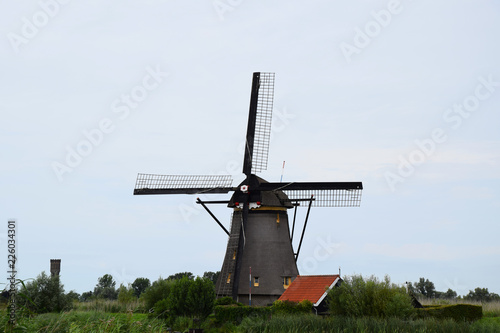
(235, 313)
(458, 312)
(226, 300)
(292, 308)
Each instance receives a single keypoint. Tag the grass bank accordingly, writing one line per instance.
(77, 321)
(311, 323)
(99, 317)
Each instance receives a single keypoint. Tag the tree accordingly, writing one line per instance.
(159, 290)
(125, 295)
(86, 296)
(482, 295)
(358, 297)
(212, 276)
(201, 297)
(425, 288)
(140, 285)
(46, 294)
(188, 297)
(178, 276)
(105, 287)
(73, 296)
(181, 297)
(106, 281)
(449, 294)
(176, 301)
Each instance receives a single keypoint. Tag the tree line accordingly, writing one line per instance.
(425, 288)
(46, 293)
(106, 286)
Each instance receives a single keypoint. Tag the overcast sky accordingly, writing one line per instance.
(401, 95)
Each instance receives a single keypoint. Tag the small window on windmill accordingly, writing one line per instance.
(287, 281)
(228, 278)
(256, 281)
(234, 255)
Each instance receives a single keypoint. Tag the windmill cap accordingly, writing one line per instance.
(249, 190)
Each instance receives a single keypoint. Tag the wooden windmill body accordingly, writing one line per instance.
(260, 262)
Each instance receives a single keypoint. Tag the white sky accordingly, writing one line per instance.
(348, 107)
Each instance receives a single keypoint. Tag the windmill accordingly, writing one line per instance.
(260, 261)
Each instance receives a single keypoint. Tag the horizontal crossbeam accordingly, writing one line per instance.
(201, 190)
(294, 186)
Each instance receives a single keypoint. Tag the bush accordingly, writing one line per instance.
(177, 299)
(125, 295)
(182, 324)
(457, 312)
(201, 297)
(73, 296)
(182, 297)
(360, 297)
(158, 291)
(288, 307)
(105, 287)
(44, 294)
(235, 314)
(161, 309)
(226, 300)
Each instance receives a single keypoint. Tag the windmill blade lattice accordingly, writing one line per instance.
(328, 198)
(182, 184)
(326, 194)
(263, 122)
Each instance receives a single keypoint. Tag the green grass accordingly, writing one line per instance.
(109, 306)
(311, 323)
(85, 318)
(76, 321)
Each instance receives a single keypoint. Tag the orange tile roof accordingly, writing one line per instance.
(310, 287)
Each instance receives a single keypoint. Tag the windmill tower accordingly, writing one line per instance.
(260, 262)
(55, 267)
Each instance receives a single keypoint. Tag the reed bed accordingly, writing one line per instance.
(306, 324)
(110, 306)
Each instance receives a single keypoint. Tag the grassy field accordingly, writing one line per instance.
(312, 323)
(111, 316)
(77, 321)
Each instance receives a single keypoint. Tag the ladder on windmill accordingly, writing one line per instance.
(225, 287)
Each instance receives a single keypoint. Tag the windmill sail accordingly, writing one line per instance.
(328, 198)
(182, 184)
(259, 123)
(326, 194)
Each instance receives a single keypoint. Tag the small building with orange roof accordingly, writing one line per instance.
(313, 288)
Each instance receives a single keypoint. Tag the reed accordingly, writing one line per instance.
(110, 306)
